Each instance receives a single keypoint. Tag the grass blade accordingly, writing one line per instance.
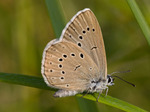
(140, 19)
(56, 16)
(87, 105)
(25, 80)
(38, 82)
(114, 102)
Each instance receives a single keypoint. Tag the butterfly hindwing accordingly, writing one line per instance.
(67, 66)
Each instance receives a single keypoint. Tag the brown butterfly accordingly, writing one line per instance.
(76, 62)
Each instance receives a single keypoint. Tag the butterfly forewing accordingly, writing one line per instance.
(67, 66)
(84, 31)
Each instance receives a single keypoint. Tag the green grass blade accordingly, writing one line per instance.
(38, 82)
(86, 105)
(114, 102)
(140, 19)
(25, 80)
(56, 16)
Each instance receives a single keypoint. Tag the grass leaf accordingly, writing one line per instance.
(37, 82)
(140, 19)
(56, 16)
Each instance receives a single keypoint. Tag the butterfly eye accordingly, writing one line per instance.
(109, 80)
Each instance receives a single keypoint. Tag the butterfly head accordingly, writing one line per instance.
(101, 84)
(110, 80)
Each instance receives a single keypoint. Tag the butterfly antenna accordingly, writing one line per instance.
(124, 80)
(120, 72)
(121, 78)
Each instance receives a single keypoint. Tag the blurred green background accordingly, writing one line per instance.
(26, 28)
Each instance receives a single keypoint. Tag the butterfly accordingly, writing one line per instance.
(76, 62)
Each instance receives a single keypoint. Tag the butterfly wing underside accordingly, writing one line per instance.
(67, 66)
(84, 31)
(78, 57)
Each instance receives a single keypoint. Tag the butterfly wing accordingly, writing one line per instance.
(84, 31)
(67, 66)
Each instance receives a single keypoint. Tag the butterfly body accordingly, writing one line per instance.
(98, 86)
(76, 62)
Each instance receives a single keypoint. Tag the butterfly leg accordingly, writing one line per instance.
(86, 93)
(106, 91)
(99, 95)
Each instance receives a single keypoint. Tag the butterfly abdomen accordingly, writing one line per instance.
(63, 93)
